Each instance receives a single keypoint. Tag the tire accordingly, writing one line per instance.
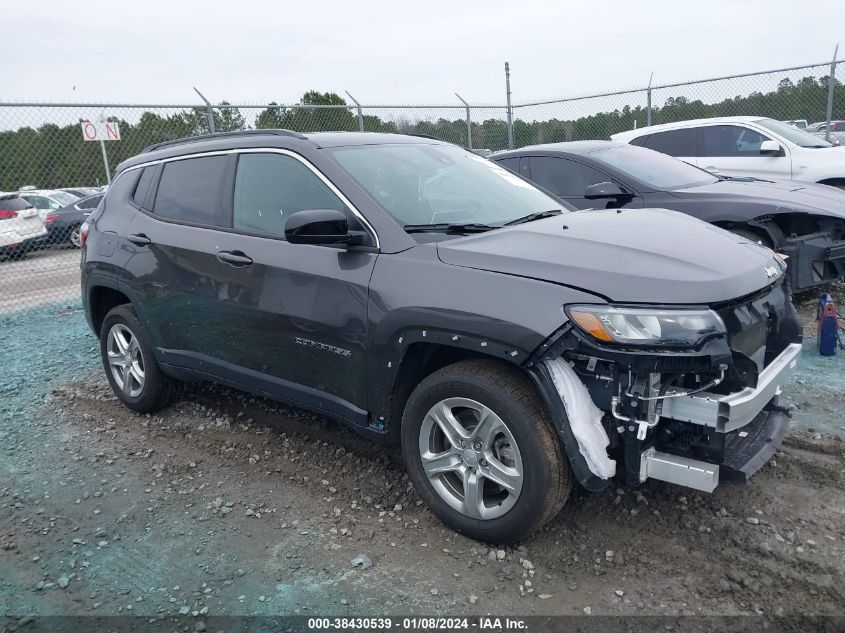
(74, 236)
(134, 376)
(523, 451)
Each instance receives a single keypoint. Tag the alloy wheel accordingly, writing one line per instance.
(126, 362)
(76, 236)
(471, 458)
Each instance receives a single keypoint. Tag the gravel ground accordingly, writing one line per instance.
(225, 504)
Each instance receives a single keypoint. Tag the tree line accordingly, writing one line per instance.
(51, 155)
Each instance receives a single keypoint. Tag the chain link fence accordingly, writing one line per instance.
(42, 150)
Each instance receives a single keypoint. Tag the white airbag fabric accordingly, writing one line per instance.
(584, 418)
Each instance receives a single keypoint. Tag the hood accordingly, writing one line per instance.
(783, 195)
(632, 256)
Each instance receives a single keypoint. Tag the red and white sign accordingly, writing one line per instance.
(100, 131)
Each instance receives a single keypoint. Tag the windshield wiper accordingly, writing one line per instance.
(445, 227)
(539, 215)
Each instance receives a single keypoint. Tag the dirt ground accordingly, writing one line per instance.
(225, 504)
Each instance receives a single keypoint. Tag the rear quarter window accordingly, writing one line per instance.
(142, 189)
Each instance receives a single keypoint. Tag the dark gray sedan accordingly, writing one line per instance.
(802, 220)
(63, 224)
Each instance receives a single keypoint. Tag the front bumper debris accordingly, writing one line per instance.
(726, 413)
(745, 453)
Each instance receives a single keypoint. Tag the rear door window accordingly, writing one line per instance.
(192, 190)
(564, 177)
(672, 142)
(270, 187)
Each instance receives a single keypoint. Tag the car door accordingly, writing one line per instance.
(568, 179)
(303, 307)
(171, 243)
(734, 150)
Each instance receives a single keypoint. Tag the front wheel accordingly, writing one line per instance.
(130, 366)
(482, 453)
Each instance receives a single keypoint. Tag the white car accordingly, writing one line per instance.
(46, 200)
(746, 146)
(20, 223)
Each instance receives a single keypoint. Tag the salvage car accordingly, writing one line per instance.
(426, 295)
(803, 221)
(745, 146)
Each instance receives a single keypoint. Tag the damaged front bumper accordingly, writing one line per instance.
(695, 418)
(726, 413)
(745, 452)
(753, 423)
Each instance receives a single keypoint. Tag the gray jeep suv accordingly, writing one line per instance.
(423, 294)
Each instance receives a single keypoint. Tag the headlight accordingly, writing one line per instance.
(647, 326)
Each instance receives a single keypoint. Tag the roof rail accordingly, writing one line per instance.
(209, 137)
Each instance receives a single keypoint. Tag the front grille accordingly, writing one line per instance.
(759, 328)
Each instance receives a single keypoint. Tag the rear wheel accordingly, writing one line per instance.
(481, 451)
(130, 366)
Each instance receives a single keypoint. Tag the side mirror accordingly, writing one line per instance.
(771, 148)
(327, 227)
(603, 190)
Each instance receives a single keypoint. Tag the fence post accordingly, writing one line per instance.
(510, 110)
(469, 121)
(209, 112)
(830, 82)
(648, 101)
(360, 113)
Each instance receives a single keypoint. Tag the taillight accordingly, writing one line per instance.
(51, 218)
(83, 234)
(6, 214)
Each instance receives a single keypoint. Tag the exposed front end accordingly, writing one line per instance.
(687, 395)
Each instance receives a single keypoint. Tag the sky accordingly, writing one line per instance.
(255, 51)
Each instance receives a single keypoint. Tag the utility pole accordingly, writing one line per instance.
(510, 110)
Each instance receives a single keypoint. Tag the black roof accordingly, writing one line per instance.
(571, 147)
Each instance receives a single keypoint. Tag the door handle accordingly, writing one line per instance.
(234, 258)
(139, 239)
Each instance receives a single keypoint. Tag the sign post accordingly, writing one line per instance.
(102, 131)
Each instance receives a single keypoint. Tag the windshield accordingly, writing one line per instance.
(653, 168)
(426, 184)
(793, 134)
